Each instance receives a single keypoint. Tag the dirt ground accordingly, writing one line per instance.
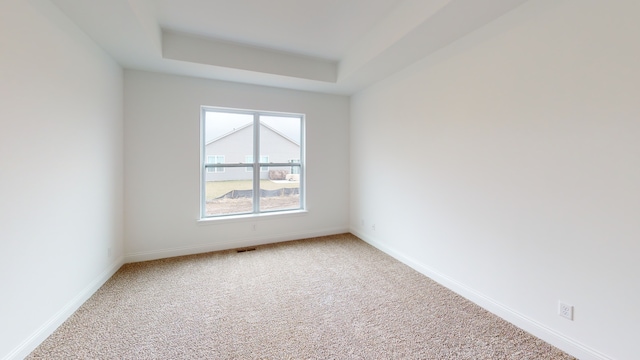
(234, 206)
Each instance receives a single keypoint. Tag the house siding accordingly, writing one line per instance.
(236, 146)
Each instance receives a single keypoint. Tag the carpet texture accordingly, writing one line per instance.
(332, 297)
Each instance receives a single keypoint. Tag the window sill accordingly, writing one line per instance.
(250, 217)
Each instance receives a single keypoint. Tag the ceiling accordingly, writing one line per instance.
(320, 28)
(332, 46)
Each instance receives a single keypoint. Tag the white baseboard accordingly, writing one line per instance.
(539, 330)
(226, 245)
(28, 345)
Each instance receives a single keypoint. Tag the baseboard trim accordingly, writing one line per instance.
(226, 245)
(543, 332)
(44, 331)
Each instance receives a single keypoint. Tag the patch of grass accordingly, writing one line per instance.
(216, 189)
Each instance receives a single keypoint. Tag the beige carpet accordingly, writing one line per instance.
(333, 297)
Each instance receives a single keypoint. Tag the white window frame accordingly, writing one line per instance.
(256, 167)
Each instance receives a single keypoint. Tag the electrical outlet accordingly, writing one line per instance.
(565, 310)
(373, 227)
(109, 252)
(253, 227)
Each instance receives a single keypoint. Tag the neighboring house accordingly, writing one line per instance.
(237, 147)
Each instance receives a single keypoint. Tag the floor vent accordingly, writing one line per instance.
(245, 250)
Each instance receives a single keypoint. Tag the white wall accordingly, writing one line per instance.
(60, 171)
(507, 167)
(162, 169)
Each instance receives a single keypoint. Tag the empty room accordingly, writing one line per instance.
(353, 179)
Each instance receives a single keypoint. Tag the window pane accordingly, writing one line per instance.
(280, 143)
(233, 195)
(280, 139)
(228, 138)
(281, 191)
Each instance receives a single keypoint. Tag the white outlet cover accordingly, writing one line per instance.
(565, 310)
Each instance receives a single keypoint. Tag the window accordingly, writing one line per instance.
(215, 159)
(233, 182)
(295, 169)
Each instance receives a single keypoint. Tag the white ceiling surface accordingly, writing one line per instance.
(333, 46)
(319, 28)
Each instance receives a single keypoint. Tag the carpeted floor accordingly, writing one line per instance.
(333, 297)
